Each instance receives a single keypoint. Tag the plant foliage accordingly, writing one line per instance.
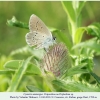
(27, 74)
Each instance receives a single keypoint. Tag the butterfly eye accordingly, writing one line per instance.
(54, 38)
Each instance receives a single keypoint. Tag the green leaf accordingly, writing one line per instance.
(38, 53)
(76, 70)
(23, 50)
(81, 5)
(68, 7)
(32, 88)
(6, 72)
(73, 86)
(91, 44)
(15, 22)
(33, 69)
(79, 34)
(15, 64)
(62, 37)
(96, 77)
(94, 29)
(18, 75)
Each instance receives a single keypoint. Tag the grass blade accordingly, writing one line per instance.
(68, 7)
(32, 88)
(18, 75)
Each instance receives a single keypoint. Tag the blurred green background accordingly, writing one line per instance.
(50, 12)
(12, 38)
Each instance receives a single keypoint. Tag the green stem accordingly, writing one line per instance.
(48, 80)
(16, 23)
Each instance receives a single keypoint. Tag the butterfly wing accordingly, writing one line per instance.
(36, 24)
(38, 32)
(34, 39)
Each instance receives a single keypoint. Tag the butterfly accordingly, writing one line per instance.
(39, 34)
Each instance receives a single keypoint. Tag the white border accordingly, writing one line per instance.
(50, 95)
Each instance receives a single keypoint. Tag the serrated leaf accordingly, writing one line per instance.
(92, 44)
(94, 29)
(73, 86)
(23, 50)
